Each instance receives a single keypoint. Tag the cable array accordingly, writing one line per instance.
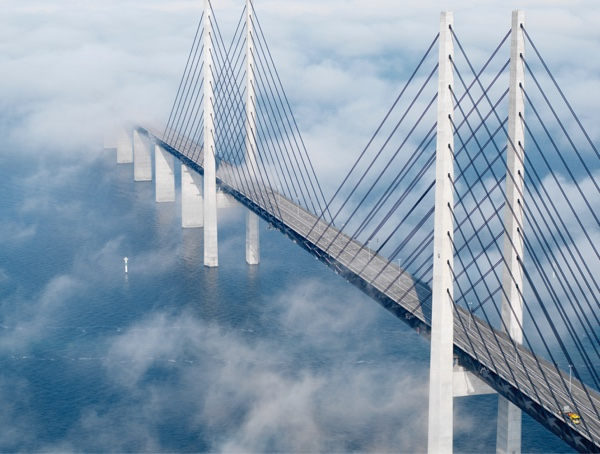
(385, 203)
(560, 293)
(184, 127)
(283, 165)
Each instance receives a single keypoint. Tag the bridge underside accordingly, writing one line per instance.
(395, 290)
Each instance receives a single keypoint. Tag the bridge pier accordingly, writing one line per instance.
(441, 378)
(252, 239)
(192, 208)
(142, 159)
(124, 146)
(509, 416)
(165, 176)
(508, 436)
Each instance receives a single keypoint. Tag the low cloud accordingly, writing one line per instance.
(27, 320)
(251, 396)
(228, 389)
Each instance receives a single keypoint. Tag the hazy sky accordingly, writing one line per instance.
(69, 67)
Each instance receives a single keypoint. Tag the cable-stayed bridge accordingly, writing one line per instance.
(471, 213)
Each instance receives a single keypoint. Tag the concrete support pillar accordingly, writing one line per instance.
(252, 232)
(440, 436)
(124, 147)
(211, 257)
(509, 416)
(142, 159)
(165, 176)
(192, 208)
(252, 239)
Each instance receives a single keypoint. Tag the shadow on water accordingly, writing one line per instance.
(165, 220)
(191, 251)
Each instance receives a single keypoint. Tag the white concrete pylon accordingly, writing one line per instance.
(192, 207)
(509, 416)
(440, 431)
(142, 159)
(124, 146)
(252, 232)
(211, 257)
(165, 176)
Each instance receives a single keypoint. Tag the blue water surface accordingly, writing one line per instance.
(176, 357)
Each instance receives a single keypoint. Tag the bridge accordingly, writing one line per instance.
(446, 233)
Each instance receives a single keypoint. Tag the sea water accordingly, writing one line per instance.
(173, 356)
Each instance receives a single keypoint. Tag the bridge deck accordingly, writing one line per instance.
(528, 380)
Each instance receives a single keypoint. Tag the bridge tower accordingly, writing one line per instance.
(252, 235)
(442, 317)
(211, 257)
(509, 415)
(447, 381)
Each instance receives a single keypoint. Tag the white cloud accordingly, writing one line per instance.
(75, 67)
(28, 321)
(254, 395)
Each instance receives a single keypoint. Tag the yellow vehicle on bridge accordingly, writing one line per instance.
(573, 417)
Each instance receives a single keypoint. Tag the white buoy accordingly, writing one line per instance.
(125, 260)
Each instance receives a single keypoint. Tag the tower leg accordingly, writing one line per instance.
(252, 239)
(192, 208)
(142, 159)
(165, 177)
(441, 392)
(509, 416)
(509, 427)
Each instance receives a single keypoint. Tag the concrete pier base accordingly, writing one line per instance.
(165, 176)
(124, 147)
(142, 159)
(192, 207)
(252, 239)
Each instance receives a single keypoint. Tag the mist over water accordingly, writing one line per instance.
(282, 357)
